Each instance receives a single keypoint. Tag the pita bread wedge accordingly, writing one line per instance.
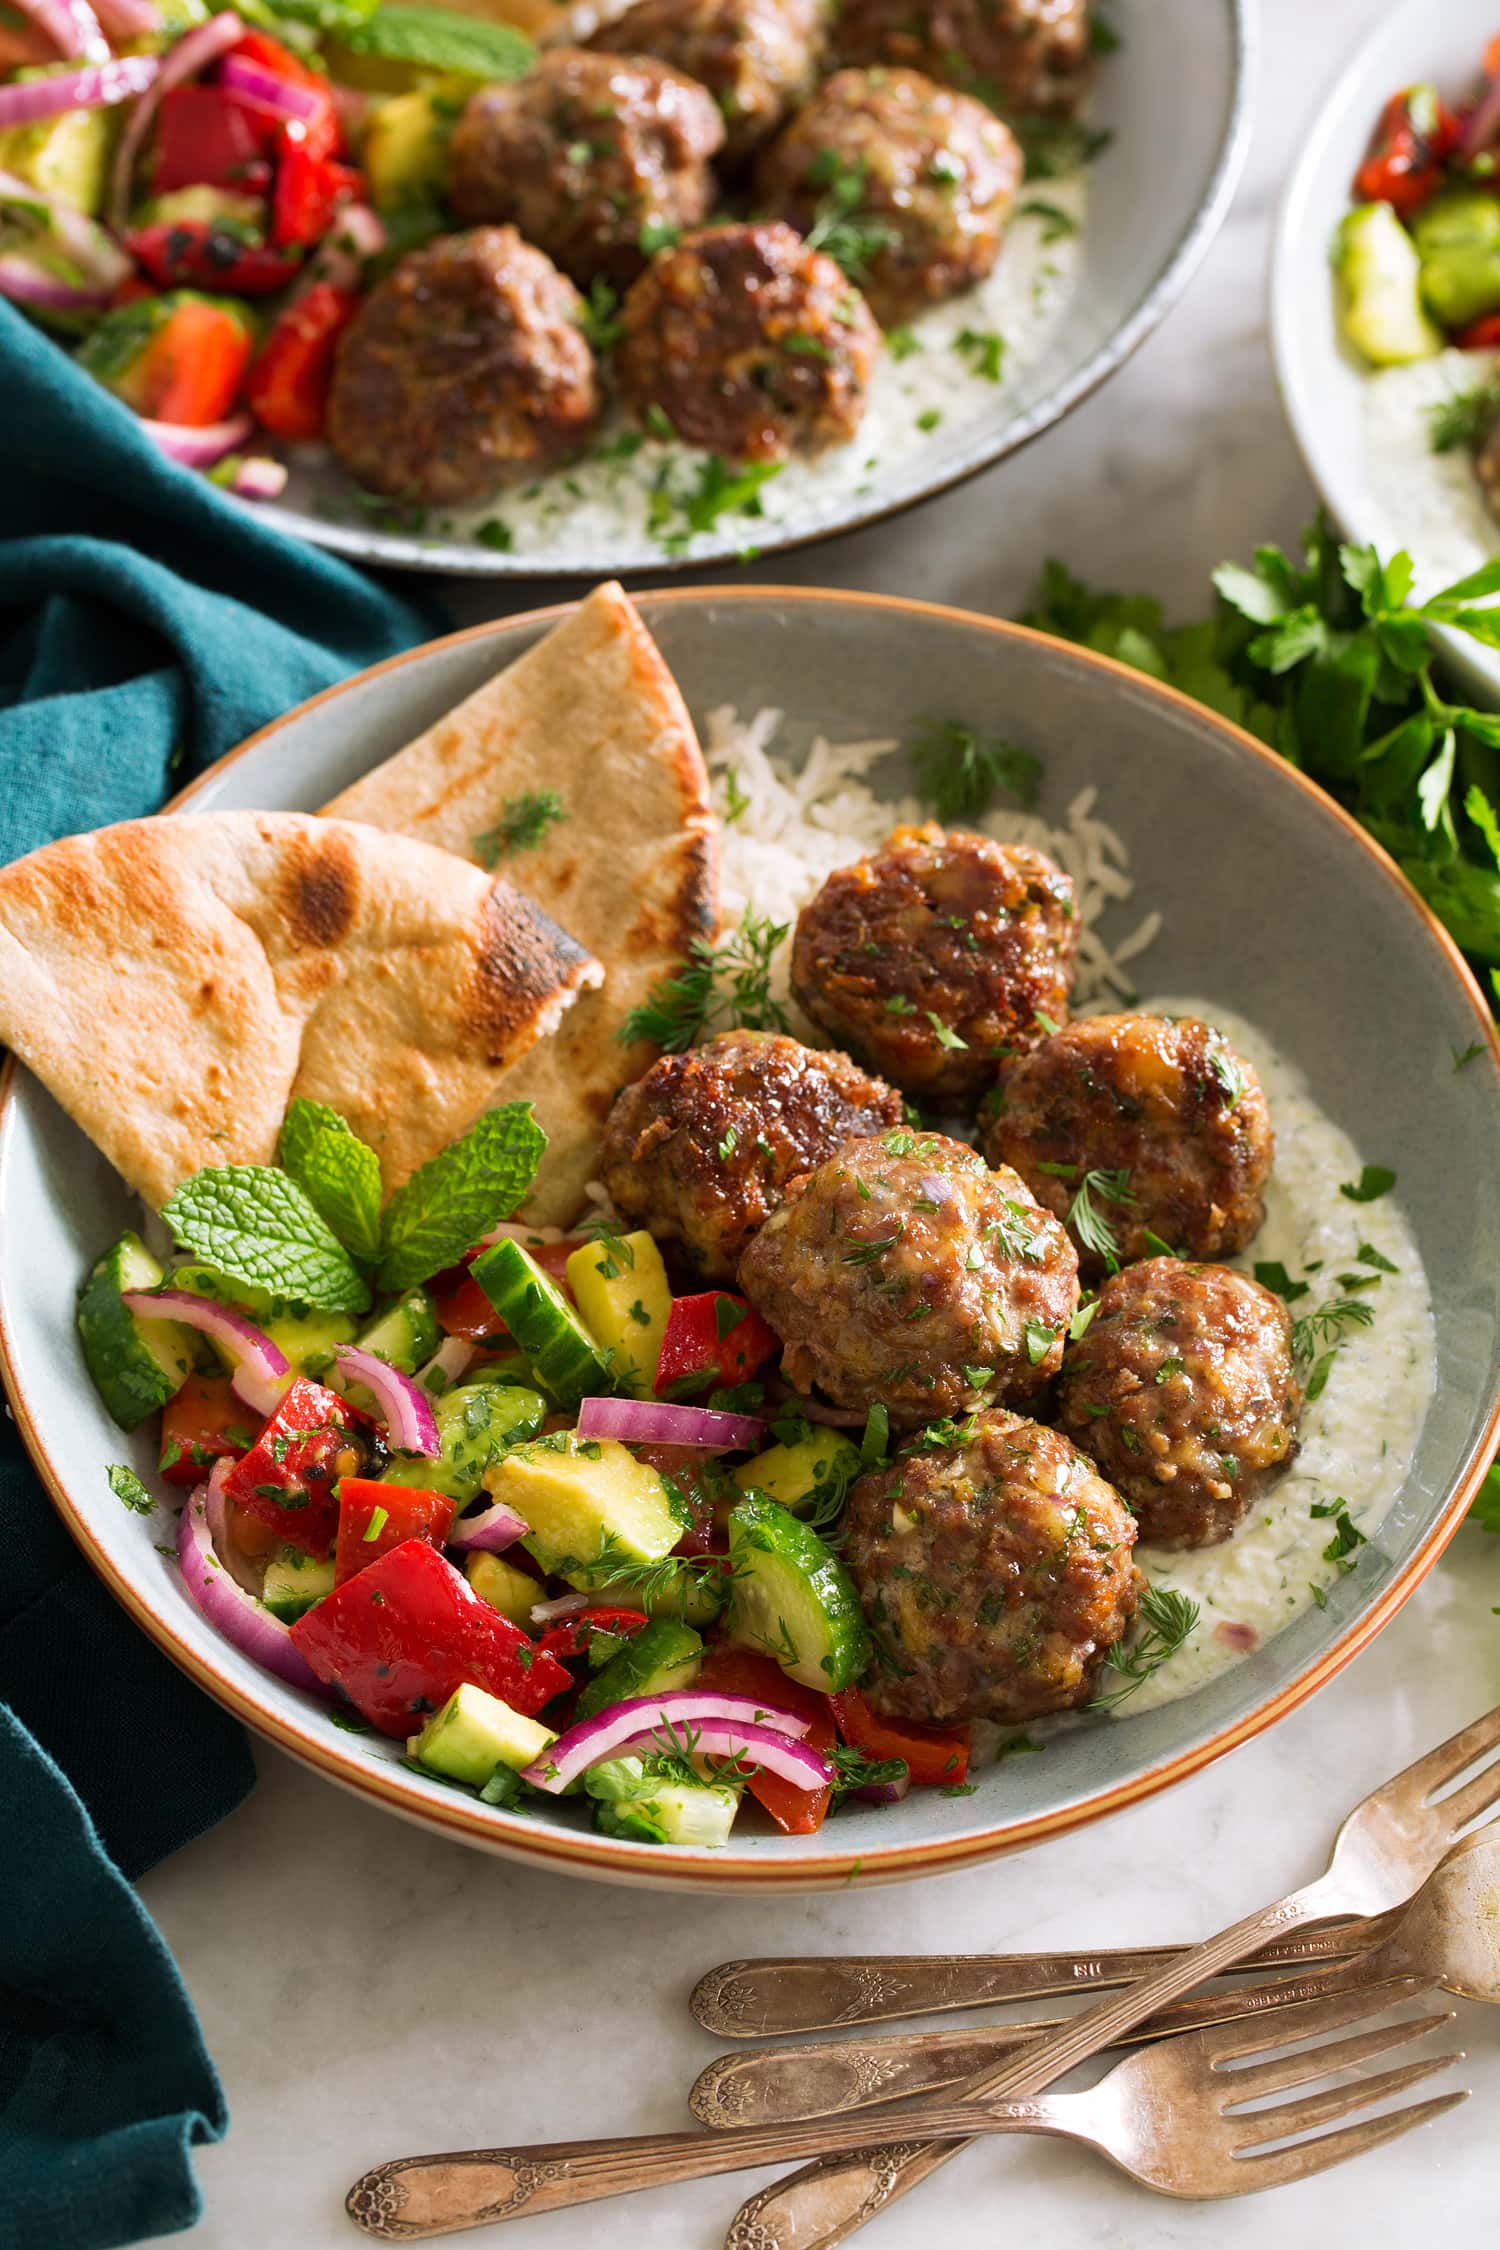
(631, 867)
(174, 982)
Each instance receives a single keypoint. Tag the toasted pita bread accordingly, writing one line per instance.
(632, 868)
(175, 982)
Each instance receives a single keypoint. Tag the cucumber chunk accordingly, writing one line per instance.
(623, 1293)
(406, 1336)
(693, 1597)
(310, 1340)
(136, 1365)
(792, 1598)
(563, 1355)
(1381, 276)
(295, 1583)
(476, 1422)
(663, 1656)
(671, 1812)
(474, 1733)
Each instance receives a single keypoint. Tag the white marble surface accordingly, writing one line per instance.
(368, 1990)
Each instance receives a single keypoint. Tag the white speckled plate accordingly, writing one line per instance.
(1276, 905)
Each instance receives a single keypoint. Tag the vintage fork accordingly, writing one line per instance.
(1172, 2116)
(1386, 1849)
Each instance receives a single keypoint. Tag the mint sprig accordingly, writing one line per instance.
(338, 1172)
(464, 1191)
(257, 1226)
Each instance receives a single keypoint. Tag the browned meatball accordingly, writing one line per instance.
(1168, 1102)
(1184, 1391)
(995, 1572)
(593, 157)
(462, 367)
(701, 1149)
(1018, 54)
(938, 955)
(932, 174)
(904, 1272)
(758, 58)
(750, 344)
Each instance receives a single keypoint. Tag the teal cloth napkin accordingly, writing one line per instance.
(147, 624)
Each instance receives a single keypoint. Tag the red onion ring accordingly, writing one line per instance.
(644, 1421)
(410, 1423)
(129, 19)
(283, 97)
(261, 1368)
(196, 448)
(201, 47)
(28, 284)
(71, 25)
(721, 1726)
(98, 259)
(242, 1620)
(258, 477)
(118, 80)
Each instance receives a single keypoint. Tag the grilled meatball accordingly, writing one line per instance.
(758, 58)
(1169, 1102)
(750, 344)
(904, 1272)
(463, 366)
(937, 956)
(933, 175)
(587, 155)
(702, 1148)
(995, 1572)
(1184, 1391)
(1020, 54)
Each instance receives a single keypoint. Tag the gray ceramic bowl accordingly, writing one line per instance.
(1277, 906)
(1176, 99)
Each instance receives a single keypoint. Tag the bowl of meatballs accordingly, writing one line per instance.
(714, 276)
(1089, 1159)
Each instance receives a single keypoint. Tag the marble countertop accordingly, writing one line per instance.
(368, 1990)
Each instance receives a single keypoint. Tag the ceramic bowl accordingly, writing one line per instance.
(1276, 905)
(1174, 98)
(1322, 381)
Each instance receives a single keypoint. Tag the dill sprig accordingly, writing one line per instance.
(1168, 1619)
(721, 988)
(523, 823)
(1465, 418)
(842, 228)
(1093, 1229)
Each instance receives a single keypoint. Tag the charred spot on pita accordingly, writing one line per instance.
(322, 892)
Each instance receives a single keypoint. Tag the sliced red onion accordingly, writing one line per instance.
(721, 1726)
(410, 1423)
(234, 1613)
(645, 1421)
(261, 1368)
(446, 1365)
(258, 477)
(119, 80)
(28, 284)
(355, 236)
(566, 1605)
(282, 96)
(129, 19)
(1482, 125)
(493, 1530)
(198, 448)
(98, 259)
(71, 25)
(885, 1792)
(202, 46)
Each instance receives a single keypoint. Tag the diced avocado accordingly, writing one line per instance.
(660, 1657)
(1380, 280)
(309, 1340)
(586, 1498)
(136, 1365)
(671, 1812)
(240, 215)
(511, 1591)
(473, 1733)
(406, 1335)
(792, 1598)
(66, 156)
(476, 1422)
(405, 148)
(563, 1354)
(294, 1582)
(800, 1473)
(1457, 237)
(623, 1293)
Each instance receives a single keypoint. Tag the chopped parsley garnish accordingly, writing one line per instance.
(902, 344)
(960, 771)
(1272, 1275)
(944, 1033)
(379, 1518)
(930, 421)
(736, 799)
(1048, 1023)
(658, 234)
(723, 987)
(1039, 1341)
(522, 826)
(1168, 1620)
(600, 318)
(1368, 1255)
(984, 349)
(843, 229)
(677, 515)
(1056, 223)
(727, 1146)
(876, 1441)
(1347, 1537)
(128, 1488)
(1374, 1181)
(1082, 1321)
(899, 1005)
(496, 534)
(1471, 1053)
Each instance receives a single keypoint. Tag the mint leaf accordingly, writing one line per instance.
(127, 1486)
(470, 1187)
(1486, 1509)
(259, 1227)
(1374, 1181)
(440, 39)
(339, 1173)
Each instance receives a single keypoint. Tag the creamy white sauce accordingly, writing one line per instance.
(600, 502)
(1429, 503)
(1358, 1438)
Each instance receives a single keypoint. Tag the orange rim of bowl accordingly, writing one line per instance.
(586, 1855)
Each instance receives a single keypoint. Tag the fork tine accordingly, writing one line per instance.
(1468, 1803)
(1258, 2127)
(1310, 2063)
(1460, 1750)
(1308, 2157)
(1302, 2019)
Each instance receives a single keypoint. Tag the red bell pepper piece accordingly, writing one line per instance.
(572, 1637)
(204, 1423)
(744, 1671)
(191, 366)
(462, 1307)
(1482, 335)
(306, 195)
(196, 254)
(204, 138)
(287, 390)
(938, 1756)
(1416, 135)
(289, 1476)
(712, 1341)
(401, 1635)
(375, 1517)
